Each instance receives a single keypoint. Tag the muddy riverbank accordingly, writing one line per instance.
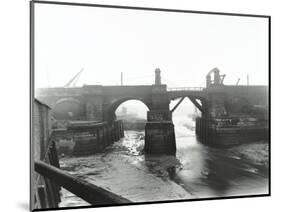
(196, 171)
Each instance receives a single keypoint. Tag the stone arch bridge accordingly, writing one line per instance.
(98, 103)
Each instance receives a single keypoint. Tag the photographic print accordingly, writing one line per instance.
(136, 105)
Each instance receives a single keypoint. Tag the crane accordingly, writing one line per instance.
(238, 81)
(73, 81)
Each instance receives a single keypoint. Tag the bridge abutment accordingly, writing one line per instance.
(233, 117)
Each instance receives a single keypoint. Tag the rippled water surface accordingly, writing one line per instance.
(197, 171)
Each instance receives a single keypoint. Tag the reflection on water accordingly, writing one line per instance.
(197, 171)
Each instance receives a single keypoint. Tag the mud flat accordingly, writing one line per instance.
(197, 171)
(124, 170)
(255, 152)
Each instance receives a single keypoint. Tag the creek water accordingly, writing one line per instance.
(197, 171)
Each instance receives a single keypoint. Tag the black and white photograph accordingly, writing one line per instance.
(140, 105)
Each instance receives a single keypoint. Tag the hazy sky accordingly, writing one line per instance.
(184, 46)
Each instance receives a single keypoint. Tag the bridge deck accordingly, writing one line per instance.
(178, 92)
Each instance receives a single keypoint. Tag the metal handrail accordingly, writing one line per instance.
(89, 192)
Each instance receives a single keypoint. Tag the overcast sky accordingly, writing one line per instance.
(106, 42)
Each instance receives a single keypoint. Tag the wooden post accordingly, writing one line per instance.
(42, 196)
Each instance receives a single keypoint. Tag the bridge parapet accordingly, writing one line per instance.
(185, 89)
(92, 90)
(179, 92)
(58, 91)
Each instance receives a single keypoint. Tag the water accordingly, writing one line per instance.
(197, 171)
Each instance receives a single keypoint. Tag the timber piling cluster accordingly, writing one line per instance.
(231, 131)
(86, 138)
(205, 130)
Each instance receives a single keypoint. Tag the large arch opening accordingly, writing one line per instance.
(133, 114)
(139, 106)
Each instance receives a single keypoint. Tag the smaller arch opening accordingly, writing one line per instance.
(133, 114)
(67, 109)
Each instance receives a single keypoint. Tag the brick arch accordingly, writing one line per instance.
(68, 108)
(67, 99)
(110, 110)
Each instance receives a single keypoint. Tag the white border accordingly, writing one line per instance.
(15, 104)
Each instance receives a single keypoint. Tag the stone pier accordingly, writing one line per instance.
(159, 129)
(159, 133)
